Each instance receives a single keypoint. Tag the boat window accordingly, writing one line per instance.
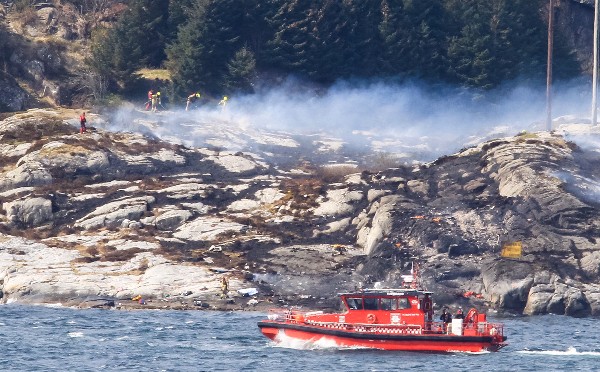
(354, 303)
(403, 303)
(388, 304)
(371, 303)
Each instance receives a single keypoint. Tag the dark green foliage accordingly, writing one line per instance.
(217, 46)
(241, 72)
(292, 46)
(179, 12)
(185, 56)
(136, 40)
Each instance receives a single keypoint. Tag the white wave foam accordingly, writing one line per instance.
(75, 334)
(470, 352)
(570, 351)
(54, 306)
(322, 343)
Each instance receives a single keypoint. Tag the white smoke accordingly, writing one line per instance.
(421, 121)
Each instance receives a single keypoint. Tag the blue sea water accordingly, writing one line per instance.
(63, 339)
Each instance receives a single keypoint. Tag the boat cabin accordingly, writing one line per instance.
(387, 306)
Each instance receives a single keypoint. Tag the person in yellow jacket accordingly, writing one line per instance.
(154, 101)
(224, 287)
(191, 99)
(223, 103)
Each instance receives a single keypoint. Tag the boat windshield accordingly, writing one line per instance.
(354, 303)
(403, 303)
(371, 303)
(376, 303)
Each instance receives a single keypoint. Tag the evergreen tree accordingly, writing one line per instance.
(185, 55)
(136, 40)
(425, 43)
(115, 55)
(256, 28)
(179, 12)
(149, 20)
(471, 60)
(241, 72)
(291, 49)
(393, 30)
(332, 52)
(220, 40)
(365, 41)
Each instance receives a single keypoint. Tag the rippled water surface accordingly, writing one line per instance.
(51, 339)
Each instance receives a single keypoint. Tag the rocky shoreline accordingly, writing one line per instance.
(116, 215)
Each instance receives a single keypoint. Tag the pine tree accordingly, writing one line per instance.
(471, 62)
(291, 49)
(179, 13)
(136, 40)
(241, 72)
(185, 55)
(331, 51)
(366, 38)
(220, 40)
(393, 33)
(256, 28)
(425, 42)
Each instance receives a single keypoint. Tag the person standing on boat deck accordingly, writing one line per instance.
(459, 314)
(446, 317)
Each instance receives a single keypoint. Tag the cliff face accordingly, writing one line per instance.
(116, 215)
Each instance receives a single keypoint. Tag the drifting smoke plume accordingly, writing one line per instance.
(410, 120)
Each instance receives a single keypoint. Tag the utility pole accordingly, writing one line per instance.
(549, 71)
(595, 71)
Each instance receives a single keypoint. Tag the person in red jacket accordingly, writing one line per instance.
(82, 121)
(149, 102)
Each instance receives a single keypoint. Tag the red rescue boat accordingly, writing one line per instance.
(387, 319)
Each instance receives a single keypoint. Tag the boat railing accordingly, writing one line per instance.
(304, 317)
(290, 315)
(474, 329)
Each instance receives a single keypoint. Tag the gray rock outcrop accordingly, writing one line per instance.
(30, 211)
(145, 211)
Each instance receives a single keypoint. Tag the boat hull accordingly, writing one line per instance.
(402, 342)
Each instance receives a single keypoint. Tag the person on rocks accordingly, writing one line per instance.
(224, 287)
(223, 103)
(446, 318)
(82, 122)
(149, 102)
(155, 97)
(191, 99)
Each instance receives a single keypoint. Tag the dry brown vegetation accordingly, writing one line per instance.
(301, 193)
(35, 130)
(335, 173)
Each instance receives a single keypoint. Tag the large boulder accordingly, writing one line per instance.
(62, 158)
(29, 211)
(113, 214)
(381, 225)
(26, 174)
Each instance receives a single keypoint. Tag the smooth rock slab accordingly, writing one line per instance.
(207, 229)
(170, 220)
(113, 214)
